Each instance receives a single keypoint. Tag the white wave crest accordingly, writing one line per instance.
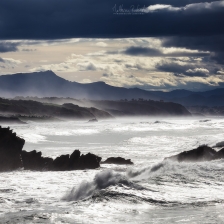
(101, 181)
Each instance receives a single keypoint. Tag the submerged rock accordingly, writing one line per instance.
(117, 160)
(202, 153)
(93, 120)
(10, 150)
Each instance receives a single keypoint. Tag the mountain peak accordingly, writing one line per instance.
(47, 72)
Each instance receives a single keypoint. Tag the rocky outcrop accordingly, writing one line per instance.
(12, 157)
(118, 160)
(88, 161)
(10, 150)
(34, 161)
(76, 161)
(202, 153)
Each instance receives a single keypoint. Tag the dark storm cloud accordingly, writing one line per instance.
(55, 19)
(8, 47)
(151, 52)
(218, 57)
(212, 43)
(182, 70)
(144, 51)
(207, 43)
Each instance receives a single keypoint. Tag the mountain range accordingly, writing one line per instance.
(48, 84)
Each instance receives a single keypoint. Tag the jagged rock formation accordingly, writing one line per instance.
(75, 161)
(10, 150)
(117, 160)
(12, 157)
(202, 153)
(34, 161)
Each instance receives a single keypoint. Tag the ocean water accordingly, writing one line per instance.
(150, 191)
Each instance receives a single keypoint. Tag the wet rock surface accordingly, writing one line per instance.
(202, 153)
(117, 160)
(10, 150)
(12, 157)
(34, 161)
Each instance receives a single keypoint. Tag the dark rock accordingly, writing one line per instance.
(118, 160)
(88, 161)
(73, 160)
(34, 161)
(220, 154)
(93, 120)
(12, 157)
(61, 163)
(76, 162)
(10, 150)
(219, 144)
(204, 121)
(202, 153)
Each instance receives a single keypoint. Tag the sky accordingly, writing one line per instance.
(149, 44)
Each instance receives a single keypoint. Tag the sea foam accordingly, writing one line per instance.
(101, 181)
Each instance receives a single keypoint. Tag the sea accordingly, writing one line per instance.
(153, 190)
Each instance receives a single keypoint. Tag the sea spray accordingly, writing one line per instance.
(107, 178)
(101, 181)
(161, 173)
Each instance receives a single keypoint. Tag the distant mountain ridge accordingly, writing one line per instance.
(48, 84)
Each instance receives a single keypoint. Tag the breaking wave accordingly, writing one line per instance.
(101, 181)
(144, 185)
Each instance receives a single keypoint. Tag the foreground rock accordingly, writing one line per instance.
(10, 150)
(12, 157)
(118, 160)
(202, 153)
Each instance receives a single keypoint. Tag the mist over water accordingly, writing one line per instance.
(150, 191)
